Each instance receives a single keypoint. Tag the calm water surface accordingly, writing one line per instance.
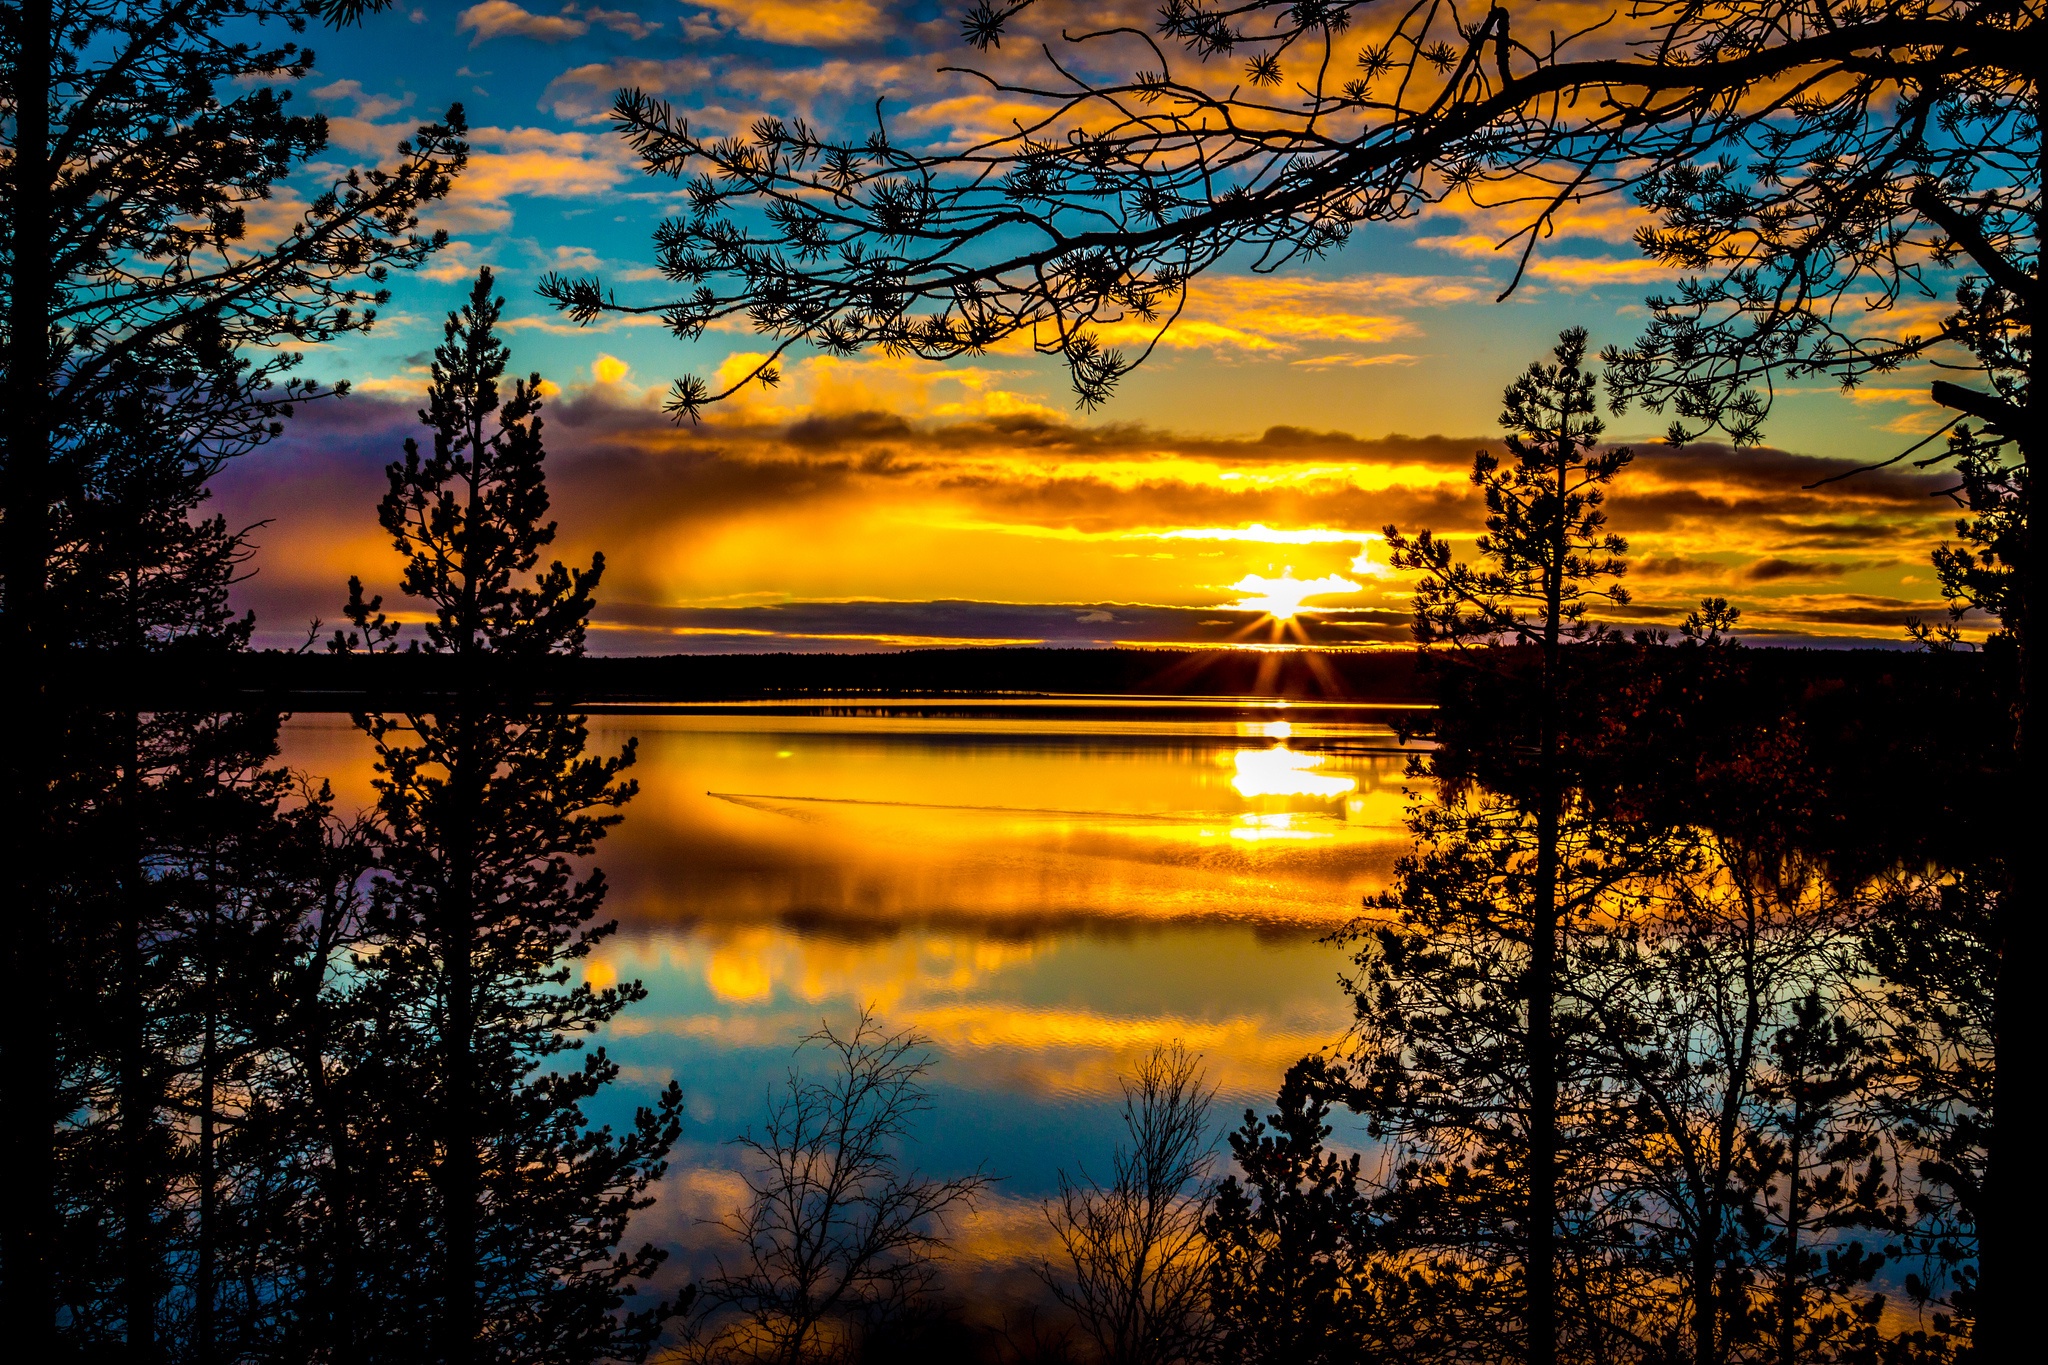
(1045, 897)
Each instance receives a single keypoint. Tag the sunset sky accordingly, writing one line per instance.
(872, 502)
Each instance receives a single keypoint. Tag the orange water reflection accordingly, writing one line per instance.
(1035, 824)
(1046, 899)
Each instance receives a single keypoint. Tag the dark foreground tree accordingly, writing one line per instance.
(1933, 953)
(1492, 875)
(185, 1177)
(1302, 1266)
(469, 1014)
(1736, 1150)
(1486, 1078)
(185, 873)
(143, 155)
(1741, 1156)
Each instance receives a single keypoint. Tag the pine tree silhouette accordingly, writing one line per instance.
(1303, 1267)
(183, 869)
(479, 912)
(1817, 1173)
(1545, 558)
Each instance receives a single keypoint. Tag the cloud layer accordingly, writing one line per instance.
(862, 529)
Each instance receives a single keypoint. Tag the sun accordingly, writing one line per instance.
(1280, 598)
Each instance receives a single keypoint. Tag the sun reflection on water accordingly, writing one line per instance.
(1281, 771)
(1280, 825)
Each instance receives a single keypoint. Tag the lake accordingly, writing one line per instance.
(1045, 892)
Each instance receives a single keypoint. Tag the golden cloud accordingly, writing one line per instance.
(801, 23)
(502, 18)
(1278, 314)
(829, 386)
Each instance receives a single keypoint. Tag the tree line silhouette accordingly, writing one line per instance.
(1690, 1030)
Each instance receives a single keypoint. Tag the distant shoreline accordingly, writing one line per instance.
(1013, 677)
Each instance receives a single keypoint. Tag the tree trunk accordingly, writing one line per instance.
(2014, 1205)
(1541, 1215)
(1707, 1334)
(1791, 1295)
(1542, 1211)
(461, 1176)
(1705, 1329)
(136, 1106)
(205, 1287)
(29, 1063)
(461, 1183)
(332, 1273)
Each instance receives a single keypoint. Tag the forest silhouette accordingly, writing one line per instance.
(1688, 1030)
